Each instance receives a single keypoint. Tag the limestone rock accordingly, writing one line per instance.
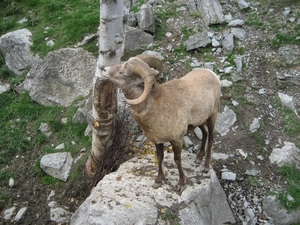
(20, 213)
(252, 172)
(288, 154)
(238, 63)
(60, 215)
(192, 6)
(79, 116)
(214, 42)
(86, 40)
(211, 11)
(243, 4)
(254, 125)
(218, 156)
(45, 129)
(226, 83)
(146, 19)
(61, 77)
(239, 33)
(287, 101)
(136, 40)
(16, 49)
(127, 197)
(198, 133)
(4, 87)
(8, 213)
(57, 165)
(60, 146)
(237, 22)
(291, 53)
(228, 43)
(11, 182)
(197, 40)
(225, 120)
(130, 19)
(226, 175)
(278, 213)
(187, 141)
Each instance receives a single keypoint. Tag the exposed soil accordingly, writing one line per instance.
(260, 72)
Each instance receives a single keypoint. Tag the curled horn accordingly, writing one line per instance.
(153, 62)
(140, 68)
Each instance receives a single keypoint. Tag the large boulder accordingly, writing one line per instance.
(61, 77)
(136, 40)
(127, 197)
(146, 19)
(211, 11)
(16, 49)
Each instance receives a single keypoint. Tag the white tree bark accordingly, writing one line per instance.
(111, 40)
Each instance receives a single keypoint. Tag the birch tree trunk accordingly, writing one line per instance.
(111, 40)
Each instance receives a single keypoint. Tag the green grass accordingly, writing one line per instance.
(284, 39)
(291, 127)
(5, 73)
(254, 21)
(253, 182)
(20, 119)
(161, 17)
(291, 124)
(292, 176)
(259, 139)
(187, 32)
(286, 32)
(65, 22)
(180, 51)
(168, 215)
(277, 3)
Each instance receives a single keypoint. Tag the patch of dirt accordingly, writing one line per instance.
(260, 72)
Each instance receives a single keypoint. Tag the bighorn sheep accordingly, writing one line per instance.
(166, 111)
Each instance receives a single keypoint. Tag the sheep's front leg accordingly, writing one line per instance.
(160, 156)
(177, 148)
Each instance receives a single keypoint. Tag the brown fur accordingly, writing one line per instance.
(173, 107)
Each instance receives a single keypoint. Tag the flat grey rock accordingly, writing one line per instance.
(127, 197)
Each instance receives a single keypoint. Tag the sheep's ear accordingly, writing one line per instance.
(155, 72)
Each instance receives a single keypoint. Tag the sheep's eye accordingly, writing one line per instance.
(123, 74)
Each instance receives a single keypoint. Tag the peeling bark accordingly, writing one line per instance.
(111, 40)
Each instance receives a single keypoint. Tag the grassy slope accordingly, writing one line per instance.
(20, 117)
(66, 23)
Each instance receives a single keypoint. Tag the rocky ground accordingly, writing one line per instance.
(253, 94)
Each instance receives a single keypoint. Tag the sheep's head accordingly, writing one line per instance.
(133, 74)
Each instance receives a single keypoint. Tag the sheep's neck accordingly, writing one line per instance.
(142, 107)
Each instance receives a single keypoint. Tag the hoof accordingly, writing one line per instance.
(197, 161)
(156, 185)
(205, 170)
(180, 188)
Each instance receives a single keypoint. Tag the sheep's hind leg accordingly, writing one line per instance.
(201, 153)
(177, 148)
(210, 125)
(160, 156)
